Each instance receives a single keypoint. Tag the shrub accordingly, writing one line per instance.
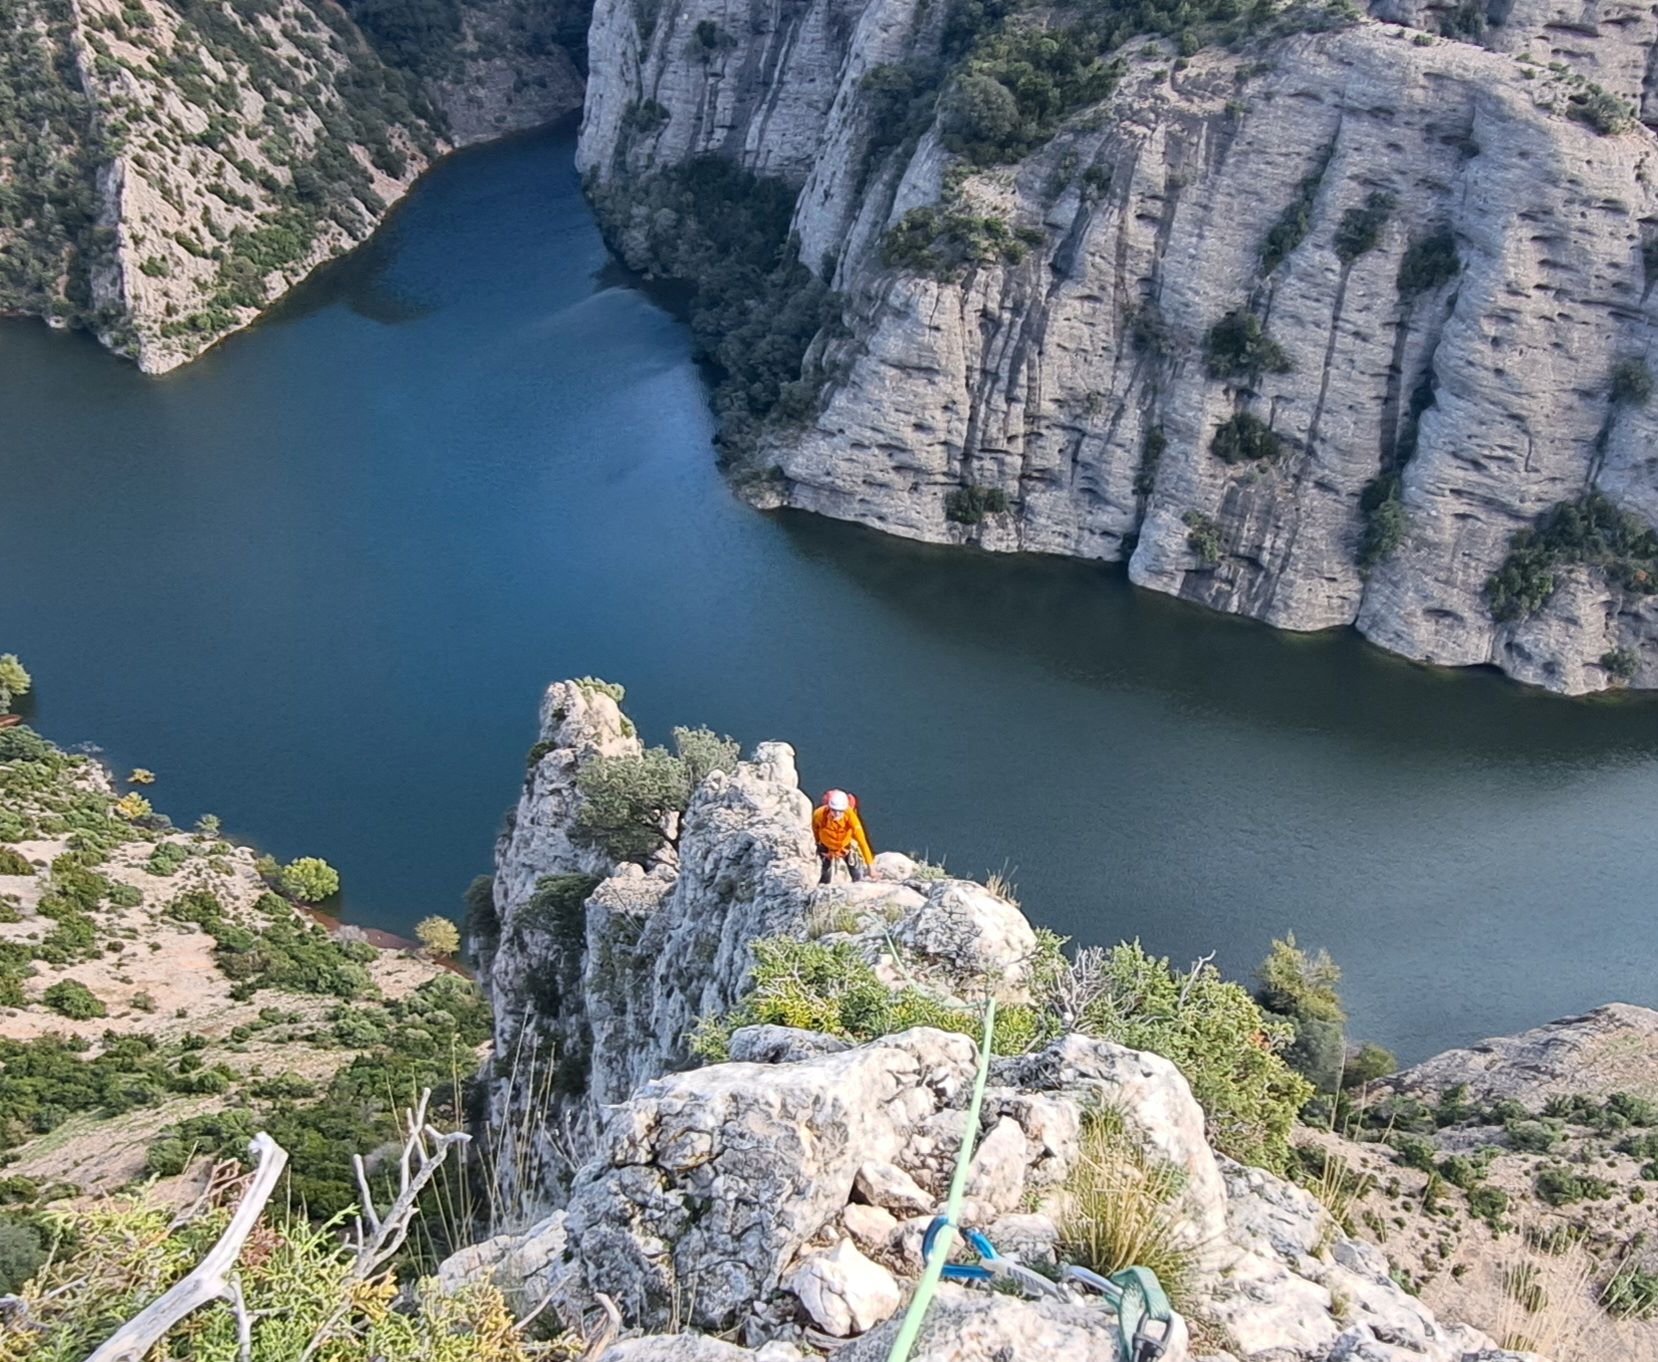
(1428, 262)
(1385, 526)
(1238, 347)
(1360, 229)
(438, 936)
(483, 924)
(1559, 1185)
(1631, 383)
(1591, 531)
(1203, 537)
(1371, 1063)
(945, 243)
(21, 1252)
(1245, 438)
(120, 1254)
(73, 999)
(1228, 1048)
(1621, 663)
(598, 686)
(14, 680)
(971, 504)
(1295, 984)
(167, 858)
(1120, 1207)
(1632, 1293)
(1489, 1204)
(829, 987)
(133, 806)
(1293, 224)
(704, 751)
(1019, 83)
(14, 863)
(1601, 110)
(310, 879)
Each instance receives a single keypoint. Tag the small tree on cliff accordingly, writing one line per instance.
(626, 801)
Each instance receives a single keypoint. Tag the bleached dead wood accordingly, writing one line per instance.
(210, 1279)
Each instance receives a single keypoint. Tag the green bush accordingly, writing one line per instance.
(829, 987)
(1385, 520)
(704, 751)
(1360, 229)
(1294, 222)
(1631, 383)
(1238, 347)
(1601, 110)
(287, 952)
(1370, 1064)
(483, 924)
(14, 863)
(945, 243)
(14, 681)
(22, 1251)
(1228, 1048)
(310, 879)
(1295, 984)
(1203, 537)
(1429, 262)
(1631, 1294)
(73, 999)
(973, 503)
(1621, 663)
(1245, 438)
(1558, 1185)
(1591, 531)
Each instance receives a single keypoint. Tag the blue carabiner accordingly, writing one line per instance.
(961, 1272)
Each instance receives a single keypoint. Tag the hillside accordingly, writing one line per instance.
(172, 167)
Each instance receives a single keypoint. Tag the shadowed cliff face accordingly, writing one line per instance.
(1456, 277)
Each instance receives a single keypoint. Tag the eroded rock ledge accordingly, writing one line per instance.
(783, 1195)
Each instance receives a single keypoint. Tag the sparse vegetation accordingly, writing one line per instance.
(1238, 347)
(14, 681)
(1360, 230)
(1429, 262)
(438, 937)
(1631, 383)
(1591, 531)
(1121, 1207)
(627, 800)
(974, 503)
(1245, 438)
(946, 243)
(1203, 537)
(72, 999)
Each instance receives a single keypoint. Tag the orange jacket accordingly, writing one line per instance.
(835, 832)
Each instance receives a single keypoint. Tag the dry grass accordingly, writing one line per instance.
(1120, 1207)
(1549, 1300)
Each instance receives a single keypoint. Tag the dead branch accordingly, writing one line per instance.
(608, 1328)
(210, 1279)
(424, 1150)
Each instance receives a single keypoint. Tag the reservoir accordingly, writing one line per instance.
(317, 581)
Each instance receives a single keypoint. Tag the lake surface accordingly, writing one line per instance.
(318, 580)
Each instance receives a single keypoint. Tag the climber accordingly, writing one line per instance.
(840, 835)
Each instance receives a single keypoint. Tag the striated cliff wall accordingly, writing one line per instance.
(173, 168)
(1457, 275)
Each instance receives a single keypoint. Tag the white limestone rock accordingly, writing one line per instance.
(843, 1292)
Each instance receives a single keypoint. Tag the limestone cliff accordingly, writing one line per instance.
(781, 1197)
(172, 168)
(1431, 254)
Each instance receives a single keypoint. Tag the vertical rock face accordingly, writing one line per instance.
(199, 160)
(1074, 384)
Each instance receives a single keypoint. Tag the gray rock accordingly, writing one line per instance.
(782, 1044)
(881, 1184)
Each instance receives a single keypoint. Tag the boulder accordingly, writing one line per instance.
(843, 1292)
(891, 1188)
(974, 935)
(870, 1226)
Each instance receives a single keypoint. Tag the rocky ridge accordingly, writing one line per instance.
(1064, 381)
(780, 1197)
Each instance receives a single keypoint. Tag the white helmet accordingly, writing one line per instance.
(837, 801)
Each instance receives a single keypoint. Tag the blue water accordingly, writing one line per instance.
(317, 581)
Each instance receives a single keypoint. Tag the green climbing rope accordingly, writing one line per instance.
(928, 1287)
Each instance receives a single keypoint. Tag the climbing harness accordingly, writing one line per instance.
(1145, 1321)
